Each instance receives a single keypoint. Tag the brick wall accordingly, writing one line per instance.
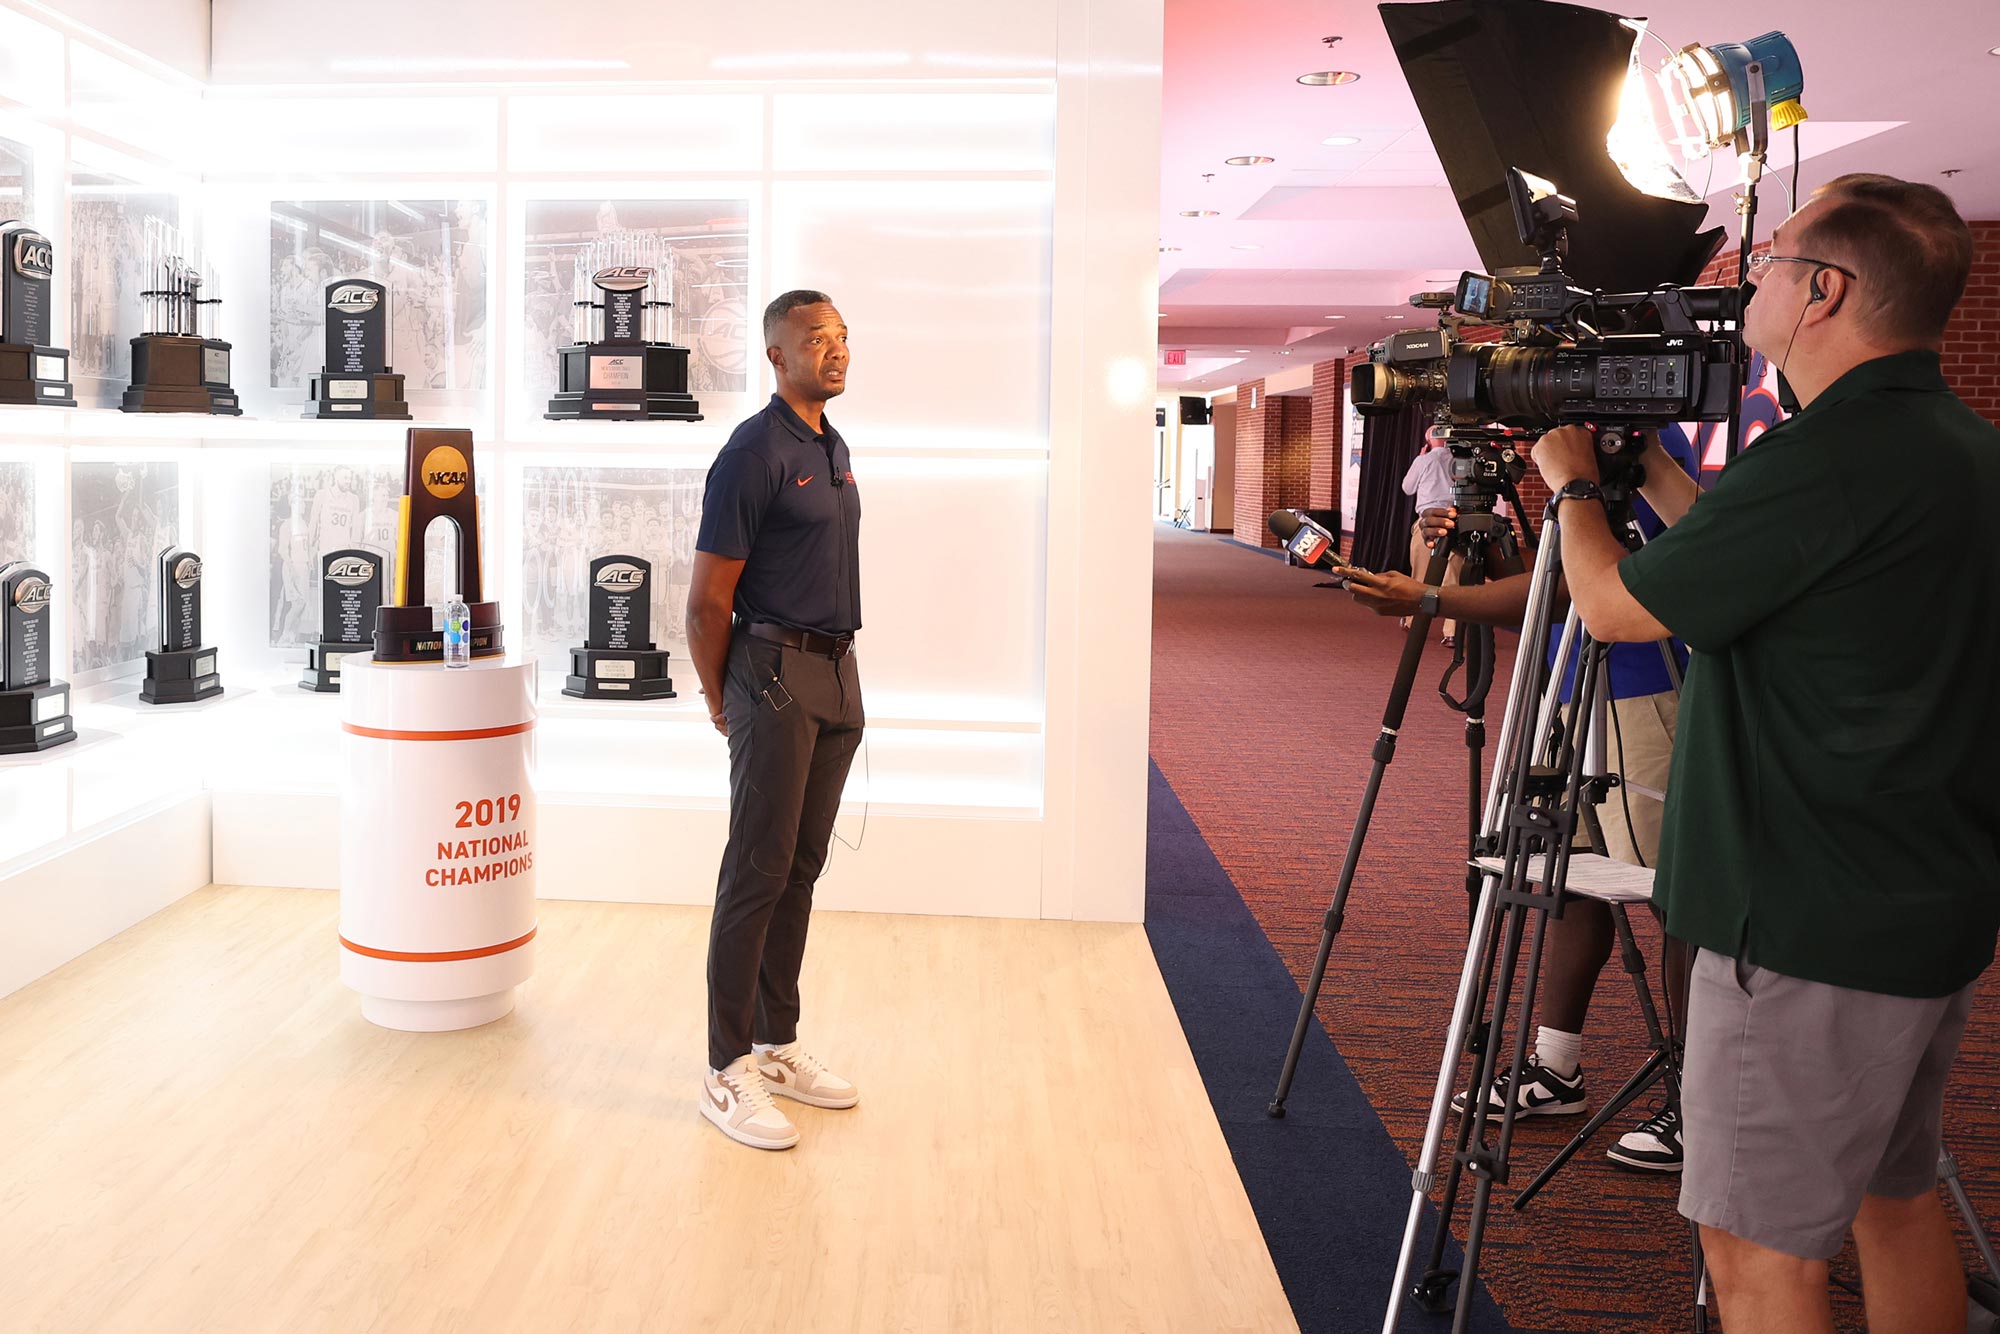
(1329, 405)
(1253, 487)
(1291, 447)
(1972, 341)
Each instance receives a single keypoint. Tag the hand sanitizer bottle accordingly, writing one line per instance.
(457, 632)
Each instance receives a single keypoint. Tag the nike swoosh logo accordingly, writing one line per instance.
(803, 480)
(721, 1103)
(781, 1076)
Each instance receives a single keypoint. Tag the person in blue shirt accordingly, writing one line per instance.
(1643, 707)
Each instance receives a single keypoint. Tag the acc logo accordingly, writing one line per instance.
(187, 571)
(445, 472)
(32, 595)
(32, 256)
(354, 299)
(621, 576)
(624, 278)
(351, 571)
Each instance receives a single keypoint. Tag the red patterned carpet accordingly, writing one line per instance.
(1267, 696)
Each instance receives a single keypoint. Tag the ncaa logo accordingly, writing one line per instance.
(31, 595)
(354, 299)
(445, 472)
(32, 256)
(351, 571)
(624, 278)
(621, 577)
(187, 571)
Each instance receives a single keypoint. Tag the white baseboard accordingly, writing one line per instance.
(952, 865)
(55, 909)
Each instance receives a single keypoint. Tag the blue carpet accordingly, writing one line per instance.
(1330, 1189)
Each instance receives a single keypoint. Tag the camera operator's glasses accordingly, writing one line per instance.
(1760, 264)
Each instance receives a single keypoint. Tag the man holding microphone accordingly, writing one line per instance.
(772, 611)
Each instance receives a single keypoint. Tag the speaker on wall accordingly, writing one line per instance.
(1194, 411)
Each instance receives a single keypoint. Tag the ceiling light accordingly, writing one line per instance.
(1163, 314)
(1284, 352)
(1244, 245)
(1248, 160)
(1243, 351)
(1170, 249)
(1199, 213)
(1336, 317)
(1392, 317)
(1341, 141)
(1994, 52)
(1329, 78)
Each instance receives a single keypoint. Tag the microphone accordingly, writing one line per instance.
(1306, 541)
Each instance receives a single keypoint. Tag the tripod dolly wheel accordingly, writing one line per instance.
(1276, 1110)
(1433, 1291)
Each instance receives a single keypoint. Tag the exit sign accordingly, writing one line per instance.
(1176, 356)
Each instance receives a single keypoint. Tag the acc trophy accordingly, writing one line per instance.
(618, 659)
(624, 365)
(357, 381)
(183, 670)
(437, 481)
(350, 593)
(178, 364)
(34, 709)
(30, 370)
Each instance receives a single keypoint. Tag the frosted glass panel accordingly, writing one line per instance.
(951, 585)
(122, 514)
(945, 288)
(31, 62)
(314, 136)
(635, 134)
(913, 131)
(123, 102)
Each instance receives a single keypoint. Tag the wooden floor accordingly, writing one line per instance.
(198, 1131)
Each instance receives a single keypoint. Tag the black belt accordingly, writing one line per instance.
(827, 646)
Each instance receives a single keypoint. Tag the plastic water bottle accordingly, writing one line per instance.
(457, 632)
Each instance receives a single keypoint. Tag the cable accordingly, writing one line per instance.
(1624, 793)
(1795, 162)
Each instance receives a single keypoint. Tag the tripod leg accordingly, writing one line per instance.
(1948, 1170)
(1384, 756)
(1640, 1081)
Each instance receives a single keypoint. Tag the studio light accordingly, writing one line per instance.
(1710, 88)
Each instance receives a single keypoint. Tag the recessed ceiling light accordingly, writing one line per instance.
(1284, 352)
(1245, 245)
(1163, 314)
(1169, 249)
(1994, 52)
(1249, 160)
(1243, 351)
(1199, 213)
(1336, 317)
(1341, 141)
(1329, 78)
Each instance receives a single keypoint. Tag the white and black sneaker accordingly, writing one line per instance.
(1655, 1146)
(1543, 1093)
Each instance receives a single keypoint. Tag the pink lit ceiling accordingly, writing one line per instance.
(1351, 230)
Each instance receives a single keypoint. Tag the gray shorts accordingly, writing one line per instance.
(1799, 1098)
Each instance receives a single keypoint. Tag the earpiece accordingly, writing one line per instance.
(1813, 287)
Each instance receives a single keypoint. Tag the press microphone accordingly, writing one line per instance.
(1305, 541)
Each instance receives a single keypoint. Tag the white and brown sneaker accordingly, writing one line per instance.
(790, 1072)
(736, 1099)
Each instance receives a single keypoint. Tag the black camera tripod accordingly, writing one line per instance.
(1484, 469)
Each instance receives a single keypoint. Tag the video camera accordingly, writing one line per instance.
(1625, 361)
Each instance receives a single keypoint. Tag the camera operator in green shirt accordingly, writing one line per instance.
(1829, 842)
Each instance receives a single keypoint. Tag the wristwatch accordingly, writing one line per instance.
(1579, 489)
(1428, 603)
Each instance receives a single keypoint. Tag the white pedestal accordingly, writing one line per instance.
(437, 840)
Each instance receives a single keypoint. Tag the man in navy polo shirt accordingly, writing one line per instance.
(775, 602)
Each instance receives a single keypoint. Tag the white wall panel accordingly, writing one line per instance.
(913, 131)
(313, 137)
(635, 134)
(945, 288)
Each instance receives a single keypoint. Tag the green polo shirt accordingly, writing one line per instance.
(1833, 808)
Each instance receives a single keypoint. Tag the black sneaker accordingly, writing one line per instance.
(1655, 1146)
(1543, 1093)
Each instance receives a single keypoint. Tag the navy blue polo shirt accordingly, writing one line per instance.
(772, 502)
(1638, 669)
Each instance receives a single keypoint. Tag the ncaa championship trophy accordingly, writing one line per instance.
(182, 670)
(178, 363)
(350, 593)
(437, 482)
(624, 365)
(30, 370)
(357, 381)
(618, 659)
(34, 709)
